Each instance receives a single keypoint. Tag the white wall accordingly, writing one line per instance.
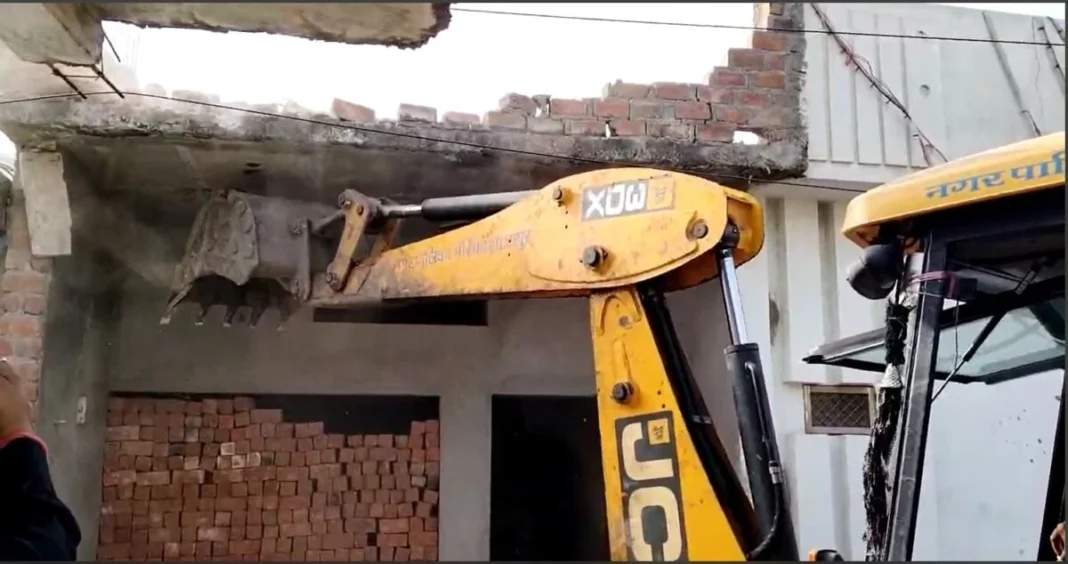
(985, 436)
(956, 92)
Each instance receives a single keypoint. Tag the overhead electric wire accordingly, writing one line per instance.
(407, 135)
(747, 27)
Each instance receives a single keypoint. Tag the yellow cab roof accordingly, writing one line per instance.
(1026, 166)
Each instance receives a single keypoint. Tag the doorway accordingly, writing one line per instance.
(547, 490)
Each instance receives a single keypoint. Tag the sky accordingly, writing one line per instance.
(468, 67)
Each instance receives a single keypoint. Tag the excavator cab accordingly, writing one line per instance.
(621, 238)
(972, 252)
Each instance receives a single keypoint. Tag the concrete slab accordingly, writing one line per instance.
(71, 34)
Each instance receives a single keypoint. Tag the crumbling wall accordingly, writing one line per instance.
(756, 91)
(24, 288)
(689, 126)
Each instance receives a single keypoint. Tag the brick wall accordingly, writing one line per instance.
(23, 297)
(756, 91)
(219, 479)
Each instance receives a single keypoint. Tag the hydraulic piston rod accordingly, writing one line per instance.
(455, 208)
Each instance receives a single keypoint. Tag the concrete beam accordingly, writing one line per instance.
(52, 33)
(71, 34)
(42, 179)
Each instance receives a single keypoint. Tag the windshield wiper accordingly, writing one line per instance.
(987, 329)
(981, 338)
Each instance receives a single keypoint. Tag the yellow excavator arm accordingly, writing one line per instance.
(621, 238)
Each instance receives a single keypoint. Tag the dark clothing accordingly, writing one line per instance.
(34, 523)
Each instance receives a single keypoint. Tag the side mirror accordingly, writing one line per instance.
(878, 270)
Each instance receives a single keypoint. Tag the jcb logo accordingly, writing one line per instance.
(648, 468)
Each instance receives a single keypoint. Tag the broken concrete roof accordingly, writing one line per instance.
(365, 23)
(162, 154)
(71, 34)
(151, 147)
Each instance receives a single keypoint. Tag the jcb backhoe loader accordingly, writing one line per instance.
(986, 231)
(622, 238)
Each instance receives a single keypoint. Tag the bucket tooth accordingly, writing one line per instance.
(258, 303)
(202, 313)
(228, 317)
(285, 311)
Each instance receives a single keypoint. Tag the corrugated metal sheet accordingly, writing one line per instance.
(956, 92)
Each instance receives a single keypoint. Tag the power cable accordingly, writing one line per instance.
(748, 28)
(417, 137)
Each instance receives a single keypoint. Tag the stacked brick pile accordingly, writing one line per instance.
(217, 479)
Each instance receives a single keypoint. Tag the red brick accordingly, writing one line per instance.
(768, 41)
(689, 110)
(718, 132)
(25, 282)
(354, 441)
(152, 478)
(776, 61)
(242, 419)
(729, 114)
(289, 530)
(288, 474)
(565, 107)
(347, 111)
(752, 98)
(641, 109)
(768, 79)
(294, 502)
(212, 533)
(391, 526)
(188, 476)
(136, 448)
(674, 91)
(722, 76)
(244, 403)
(123, 433)
(426, 539)
(746, 58)
(620, 128)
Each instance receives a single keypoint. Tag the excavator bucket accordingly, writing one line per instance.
(250, 253)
